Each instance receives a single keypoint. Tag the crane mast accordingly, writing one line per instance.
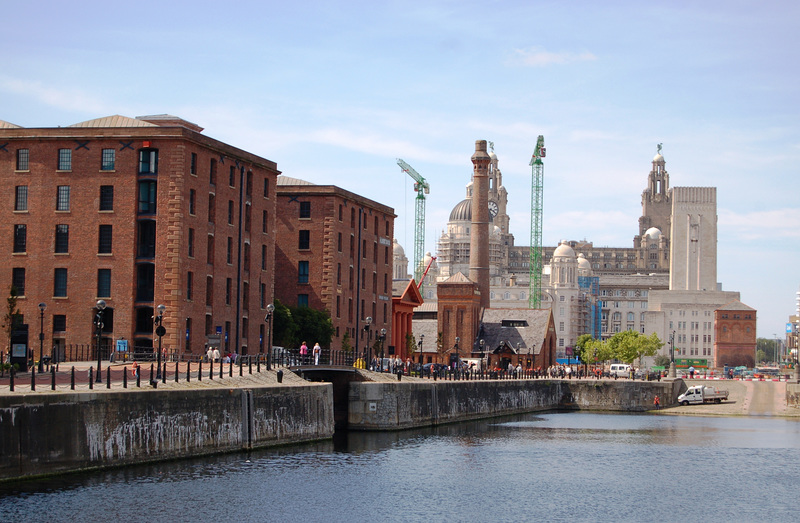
(422, 188)
(535, 263)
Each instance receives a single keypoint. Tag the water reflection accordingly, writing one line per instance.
(551, 466)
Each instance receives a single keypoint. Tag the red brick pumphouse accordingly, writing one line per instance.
(136, 213)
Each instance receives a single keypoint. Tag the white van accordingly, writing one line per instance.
(621, 370)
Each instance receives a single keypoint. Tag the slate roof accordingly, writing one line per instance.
(736, 305)
(524, 332)
(114, 121)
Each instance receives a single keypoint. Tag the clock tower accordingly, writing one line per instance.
(498, 212)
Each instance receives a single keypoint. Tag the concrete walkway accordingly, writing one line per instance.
(745, 398)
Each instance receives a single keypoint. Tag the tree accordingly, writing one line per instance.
(583, 350)
(346, 342)
(662, 360)
(312, 325)
(284, 329)
(770, 348)
(629, 345)
(440, 348)
(12, 315)
(761, 356)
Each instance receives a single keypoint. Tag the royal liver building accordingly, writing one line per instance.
(595, 290)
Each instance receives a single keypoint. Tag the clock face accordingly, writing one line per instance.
(493, 210)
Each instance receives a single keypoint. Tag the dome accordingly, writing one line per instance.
(496, 231)
(398, 249)
(658, 158)
(492, 155)
(654, 233)
(564, 250)
(583, 263)
(427, 259)
(462, 211)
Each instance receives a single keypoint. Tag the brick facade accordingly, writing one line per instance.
(169, 232)
(334, 253)
(735, 335)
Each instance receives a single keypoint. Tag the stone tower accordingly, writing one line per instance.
(479, 233)
(693, 247)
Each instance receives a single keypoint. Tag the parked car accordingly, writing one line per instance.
(620, 370)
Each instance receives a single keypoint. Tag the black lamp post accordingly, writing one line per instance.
(383, 338)
(160, 331)
(42, 307)
(98, 321)
(421, 363)
(483, 351)
(457, 362)
(368, 354)
(268, 319)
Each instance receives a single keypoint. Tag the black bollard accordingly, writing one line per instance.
(188, 371)
(91, 378)
(33, 378)
(151, 373)
(200, 371)
(176, 371)
(124, 378)
(258, 364)
(164, 374)
(138, 376)
(72, 379)
(280, 376)
(11, 379)
(211, 370)
(399, 375)
(230, 369)
(221, 368)
(108, 377)
(53, 378)
(250, 365)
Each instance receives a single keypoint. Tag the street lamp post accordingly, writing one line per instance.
(367, 354)
(42, 307)
(160, 331)
(483, 350)
(383, 338)
(458, 360)
(672, 372)
(421, 363)
(268, 319)
(98, 320)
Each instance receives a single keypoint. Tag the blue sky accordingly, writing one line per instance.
(334, 92)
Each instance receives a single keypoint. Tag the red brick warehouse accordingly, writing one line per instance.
(138, 212)
(334, 252)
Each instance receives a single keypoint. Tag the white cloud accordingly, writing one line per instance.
(538, 57)
(68, 99)
(774, 224)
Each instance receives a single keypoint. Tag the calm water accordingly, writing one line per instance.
(552, 467)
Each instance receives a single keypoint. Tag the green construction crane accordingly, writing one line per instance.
(535, 264)
(422, 188)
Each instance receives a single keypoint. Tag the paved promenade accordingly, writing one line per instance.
(746, 398)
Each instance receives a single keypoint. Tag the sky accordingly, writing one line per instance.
(335, 92)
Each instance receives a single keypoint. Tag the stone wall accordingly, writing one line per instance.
(793, 395)
(401, 405)
(45, 434)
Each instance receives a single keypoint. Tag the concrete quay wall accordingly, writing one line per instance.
(402, 405)
(54, 433)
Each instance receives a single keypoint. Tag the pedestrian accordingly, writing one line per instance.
(317, 352)
(209, 354)
(303, 353)
(135, 370)
(215, 355)
(657, 402)
(691, 372)
(730, 374)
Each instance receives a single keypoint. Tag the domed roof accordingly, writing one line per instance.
(564, 250)
(583, 263)
(654, 233)
(658, 158)
(427, 259)
(492, 155)
(462, 212)
(398, 249)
